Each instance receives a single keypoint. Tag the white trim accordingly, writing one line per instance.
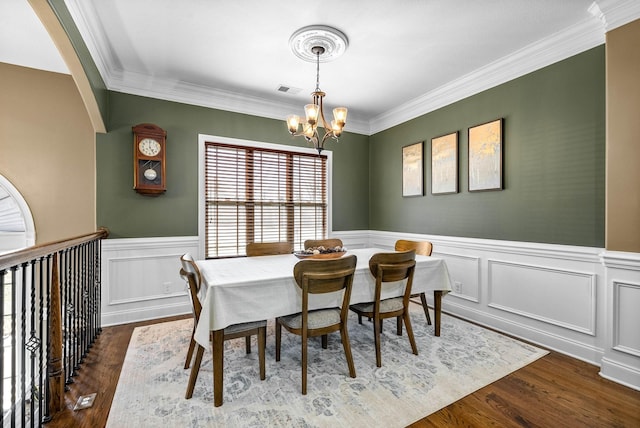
(559, 46)
(603, 272)
(606, 16)
(523, 267)
(203, 138)
(29, 225)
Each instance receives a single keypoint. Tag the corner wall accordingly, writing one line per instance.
(623, 138)
(47, 150)
(553, 162)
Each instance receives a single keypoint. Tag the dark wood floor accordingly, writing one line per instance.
(554, 391)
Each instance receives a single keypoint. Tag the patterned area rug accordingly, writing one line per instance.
(150, 392)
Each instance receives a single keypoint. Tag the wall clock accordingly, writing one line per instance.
(149, 159)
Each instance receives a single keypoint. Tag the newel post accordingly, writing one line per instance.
(56, 369)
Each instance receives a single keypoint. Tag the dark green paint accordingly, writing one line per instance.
(128, 214)
(554, 151)
(554, 162)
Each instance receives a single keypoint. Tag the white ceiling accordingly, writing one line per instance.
(405, 57)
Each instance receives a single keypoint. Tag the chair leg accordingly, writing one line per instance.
(377, 326)
(248, 344)
(347, 349)
(324, 341)
(423, 299)
(304, 363)
(194, 372)
(278, 338)
(407, 321)
(192, 346)
(399, 326)
(262, 339)
(359, 319)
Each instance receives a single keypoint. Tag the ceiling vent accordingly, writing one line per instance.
(288, 89)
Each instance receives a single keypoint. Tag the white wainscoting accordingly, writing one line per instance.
(621, 362)
(543, 293)
(141, 280)
(580, 301)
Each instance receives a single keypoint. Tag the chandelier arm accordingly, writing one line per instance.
(325, 125)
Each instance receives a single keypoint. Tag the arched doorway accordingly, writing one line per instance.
(17, 229)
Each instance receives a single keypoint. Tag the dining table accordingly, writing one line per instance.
(246, 289)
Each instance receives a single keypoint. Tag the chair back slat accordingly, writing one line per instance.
(191, 273)
(326, 243)
(325, 275)
(268, 248)
(389, 267)
(424, 248)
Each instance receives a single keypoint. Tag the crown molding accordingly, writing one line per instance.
(188, 93)
(606, 15)
(557, 47)
(616, 13)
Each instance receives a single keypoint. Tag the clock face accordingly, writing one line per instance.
(149, 147)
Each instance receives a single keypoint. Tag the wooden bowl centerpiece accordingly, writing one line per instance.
(321, 253)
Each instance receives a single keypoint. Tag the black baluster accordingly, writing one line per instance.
(2, 284)
(13, 346)
(47, 389)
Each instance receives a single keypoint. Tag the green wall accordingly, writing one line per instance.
(554, 153)
(128, 214)
(554, 162)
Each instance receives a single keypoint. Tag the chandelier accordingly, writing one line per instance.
(316, 43)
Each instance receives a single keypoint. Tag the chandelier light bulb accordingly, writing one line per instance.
(311, 112)
(340, 115)
(308, 130)
(293, 121)
(337, 128)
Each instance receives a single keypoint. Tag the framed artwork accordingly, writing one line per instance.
(412, 175)
(444, 164)
(485, 156)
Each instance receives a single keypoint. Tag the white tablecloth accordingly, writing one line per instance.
(258, 288)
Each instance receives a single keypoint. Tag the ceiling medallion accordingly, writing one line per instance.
(318, 43)
(333, 41)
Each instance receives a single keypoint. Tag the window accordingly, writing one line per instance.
(261, 193)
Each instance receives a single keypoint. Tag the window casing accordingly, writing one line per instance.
(258, 192)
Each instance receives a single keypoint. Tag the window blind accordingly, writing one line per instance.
(262, 195)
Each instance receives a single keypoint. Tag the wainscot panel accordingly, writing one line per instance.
(621, 361)
(583, 330)
(562, 297)
(580, 301)
(141, 279)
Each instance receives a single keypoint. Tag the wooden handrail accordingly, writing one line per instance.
(27, 254)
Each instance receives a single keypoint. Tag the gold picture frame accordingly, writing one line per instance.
(412, 170)
(485, 156)
(444, 164)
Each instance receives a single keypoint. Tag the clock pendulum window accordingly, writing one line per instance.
(149, 159)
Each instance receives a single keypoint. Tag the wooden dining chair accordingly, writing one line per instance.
(268, 248)
(424, 248)
(319, 277)
(191, 273)
(326, 243)
(389, 267)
